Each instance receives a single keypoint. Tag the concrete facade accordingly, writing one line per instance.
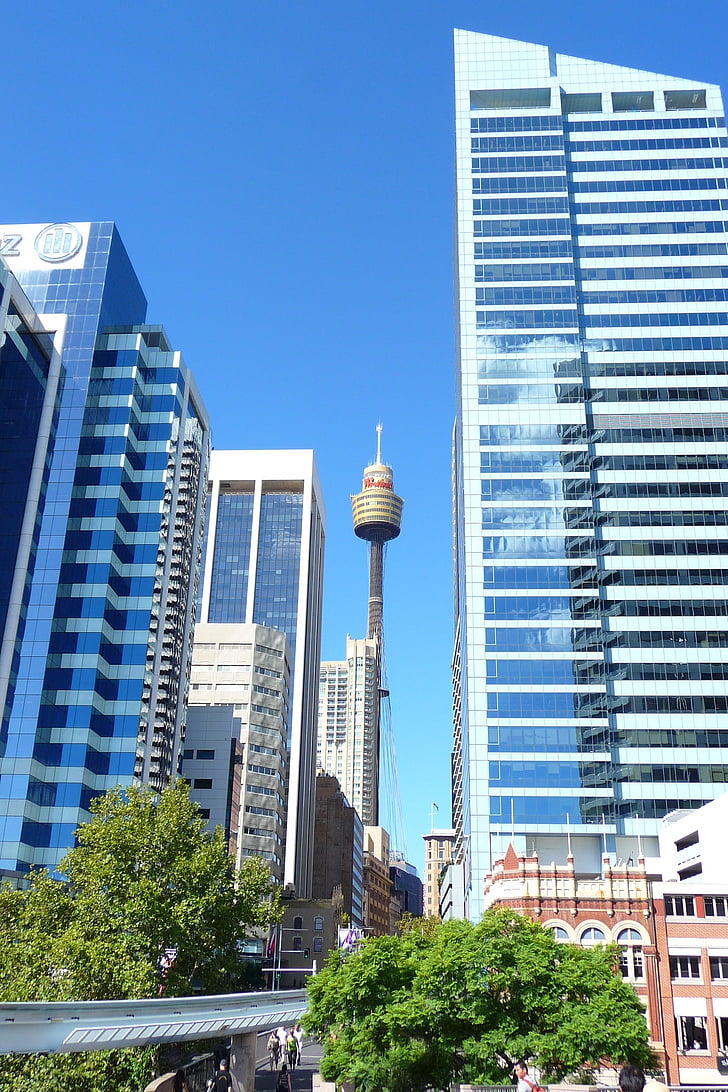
(439, 847)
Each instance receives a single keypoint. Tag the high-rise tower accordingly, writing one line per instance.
(377, 514)
(263, 566)
(105, 467)
(591, 477)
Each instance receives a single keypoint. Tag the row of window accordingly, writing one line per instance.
(567, 294)
(526, 164)
(686, 906)
(646, 144)
(541, 123)
(688, 966)
(544, 462)
(527, 206)
(513, 183)
(583, 434)
(573, 393)
(582, 546)
(547, 739)
(585, 672)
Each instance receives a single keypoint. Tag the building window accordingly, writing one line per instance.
(691, 1033)
(318, 944)
(297, 944)
(206, 756)
(298, 923)
(318, 924)
(680, 906)
(684, 966)
(718, 967)
(631, 962)
(716, 906)
(592, 936)
(202, 783)
(721, 1028)
(559, 933)
(204, 813)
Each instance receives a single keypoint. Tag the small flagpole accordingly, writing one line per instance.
(433, 809)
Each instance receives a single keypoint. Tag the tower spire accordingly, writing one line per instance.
(379, 442)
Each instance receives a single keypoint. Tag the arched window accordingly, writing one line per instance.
(631, 962)
(592, 936)
(559, 932)
(298, 923)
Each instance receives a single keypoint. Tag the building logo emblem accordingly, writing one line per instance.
(58, 242)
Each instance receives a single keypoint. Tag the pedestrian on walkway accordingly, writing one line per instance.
(274, 1050)
(283, 1080)
(291, 1049)
(525, 1083)
(221, 1081)
(298, 1036)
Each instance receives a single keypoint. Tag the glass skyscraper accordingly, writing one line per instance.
(590, 465)
(93, 676)
(263, 564)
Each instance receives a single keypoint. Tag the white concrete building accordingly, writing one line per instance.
(263, 565)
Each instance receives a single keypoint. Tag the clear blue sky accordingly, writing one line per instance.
(282, 176)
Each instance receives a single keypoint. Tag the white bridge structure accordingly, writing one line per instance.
(39, 1027)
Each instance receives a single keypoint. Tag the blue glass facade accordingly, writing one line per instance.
(582, 472)
(99, 689)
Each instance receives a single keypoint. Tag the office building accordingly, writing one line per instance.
(348, 724)
(338, 850)
(379, 914)
(94, 689)
(591, 682)
(691, 926)
(406, 885)
(438, 855)
(264, 566)
(236, 747)
(30, 376)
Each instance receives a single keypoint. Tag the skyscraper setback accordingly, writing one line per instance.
(591, 484)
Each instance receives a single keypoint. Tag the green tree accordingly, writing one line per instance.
(464, 1002)
(143, 876)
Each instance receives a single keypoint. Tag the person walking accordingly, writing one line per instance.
(221, 1081)
(525, 1083)
(274, 1049)
(291, 1049)
(298, 1035)
(283, 1080)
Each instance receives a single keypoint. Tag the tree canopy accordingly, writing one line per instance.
(464, 1002)
(144, 876)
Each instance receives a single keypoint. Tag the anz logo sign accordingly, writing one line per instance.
(55, 243)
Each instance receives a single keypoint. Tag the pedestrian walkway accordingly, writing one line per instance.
(302, 1077)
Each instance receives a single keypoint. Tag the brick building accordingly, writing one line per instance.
(613, 907)
(691, 925)
(378, 918)
(338, 848)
